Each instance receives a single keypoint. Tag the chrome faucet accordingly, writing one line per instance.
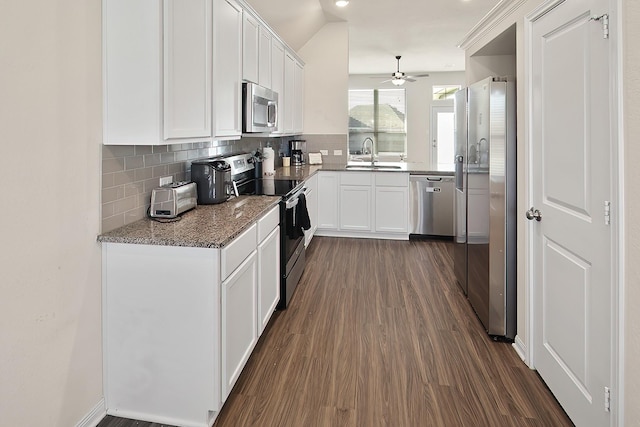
(364, 143)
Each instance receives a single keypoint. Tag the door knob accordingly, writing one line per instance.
(534, 214)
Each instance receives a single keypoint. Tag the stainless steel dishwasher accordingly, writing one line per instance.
(431, 205)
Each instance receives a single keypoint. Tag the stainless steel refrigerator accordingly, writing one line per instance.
(485, 202)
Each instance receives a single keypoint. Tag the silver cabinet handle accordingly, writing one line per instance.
(534, 214)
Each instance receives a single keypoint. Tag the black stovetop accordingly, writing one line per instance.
(270, 187)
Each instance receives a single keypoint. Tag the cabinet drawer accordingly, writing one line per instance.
(233, 254)
(355, 178)
(392, 179)
(267, 223)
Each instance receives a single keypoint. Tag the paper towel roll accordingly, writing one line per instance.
(268, 168)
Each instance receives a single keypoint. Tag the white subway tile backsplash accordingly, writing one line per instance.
(167, 158)
(144, 173)
(152, 160)
(134, 162)
(130, 173)
(112, 194)
(160, 149)
(112, 165)
(141, 150)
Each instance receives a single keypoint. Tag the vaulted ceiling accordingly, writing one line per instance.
(424, 32)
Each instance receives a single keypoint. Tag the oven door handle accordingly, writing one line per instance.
(291, 203)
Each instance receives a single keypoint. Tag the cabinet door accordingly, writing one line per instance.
(277, 79)
(250, 46)
(312, 207)
(227, 80)
(268, 277)
(187, 68)
(328, 200)
(239, 321)
(264, 58)
(132, 72)
(289, 90)
(298, 101)
(392, 209)
(355, 208)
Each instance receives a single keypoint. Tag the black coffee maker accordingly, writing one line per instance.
(297, 156)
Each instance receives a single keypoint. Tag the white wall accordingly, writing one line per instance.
(50, 126)
(419, 96)
(631, 70)
(326, 57)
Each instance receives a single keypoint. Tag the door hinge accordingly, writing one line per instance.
(607, 399)
(607, 212)
(605, 23)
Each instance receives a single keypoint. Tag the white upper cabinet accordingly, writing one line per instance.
(264, 58)
(227, 69)
(250, 47)
(156, 71)
(277, 78)
(287, 103)
(298, 98)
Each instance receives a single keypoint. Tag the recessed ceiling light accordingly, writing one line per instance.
(342, 3)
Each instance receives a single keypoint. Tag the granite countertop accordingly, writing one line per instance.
(306, 171)
(206, 226)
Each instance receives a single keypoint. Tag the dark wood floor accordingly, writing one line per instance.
(379, 334)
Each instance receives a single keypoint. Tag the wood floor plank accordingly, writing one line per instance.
(379, 334)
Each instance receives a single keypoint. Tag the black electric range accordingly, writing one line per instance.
(292, 192)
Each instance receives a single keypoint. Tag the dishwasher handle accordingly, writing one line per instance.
(434, 178)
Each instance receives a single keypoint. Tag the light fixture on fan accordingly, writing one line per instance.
(342, 3)
(398, 78)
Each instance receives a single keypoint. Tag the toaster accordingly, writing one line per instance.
(171, 200)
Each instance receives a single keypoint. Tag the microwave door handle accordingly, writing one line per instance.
(272, 106)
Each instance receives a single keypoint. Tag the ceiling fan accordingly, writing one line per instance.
(398, 78)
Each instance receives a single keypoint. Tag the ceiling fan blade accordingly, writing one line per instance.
(409, 79)
(386, 81)
(420, 75)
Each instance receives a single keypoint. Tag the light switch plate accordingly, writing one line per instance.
(166, 180)
(337, 152)
(324, 152)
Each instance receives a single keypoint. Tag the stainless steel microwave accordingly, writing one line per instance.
(259, 109)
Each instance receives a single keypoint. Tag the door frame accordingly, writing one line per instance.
(525, 346)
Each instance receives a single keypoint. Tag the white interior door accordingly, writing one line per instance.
(571, 183)
(442, 136)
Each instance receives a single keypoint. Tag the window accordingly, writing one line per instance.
(379, 114)
(442, 92)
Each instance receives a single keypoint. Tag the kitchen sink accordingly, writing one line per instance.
(369, 166)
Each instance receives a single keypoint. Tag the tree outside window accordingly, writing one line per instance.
(379, 114)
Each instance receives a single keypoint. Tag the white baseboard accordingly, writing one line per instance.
(520, 348)
(94, 416)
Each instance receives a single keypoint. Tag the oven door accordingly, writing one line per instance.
(293, 233)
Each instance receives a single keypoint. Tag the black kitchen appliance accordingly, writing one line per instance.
(292, 218)
(213, 179)
(297, 156)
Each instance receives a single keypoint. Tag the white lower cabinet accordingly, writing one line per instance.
(161, 333)
(392, 202)
(312, 207)
(328, 183)
(268, 278)
(355, 208)
(180, 323)
(363, 204)
(239, 321)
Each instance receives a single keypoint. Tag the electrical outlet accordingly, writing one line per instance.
(324, 152)
(166, 180)
(337, 152)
